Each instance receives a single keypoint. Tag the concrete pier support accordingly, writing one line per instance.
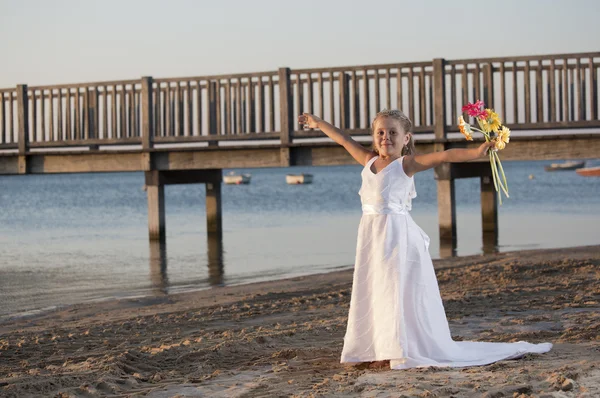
(214, 218)
(155, 188)
(447, 217)
(156, 212)
(489, 214)
(215, 259)
(155, 185)
(446, 209)
(445, 175)
(214, 229)
(158, 266)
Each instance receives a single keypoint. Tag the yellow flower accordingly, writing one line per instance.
(500, 145)
(491, 122)
(465, 128)
(504, 134)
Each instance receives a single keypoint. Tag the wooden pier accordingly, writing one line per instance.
(186, 130)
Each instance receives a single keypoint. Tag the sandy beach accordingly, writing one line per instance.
(284, 338)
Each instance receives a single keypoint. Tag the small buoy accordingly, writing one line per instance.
(531, 176)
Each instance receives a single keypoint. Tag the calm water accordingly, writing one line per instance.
(67, 239)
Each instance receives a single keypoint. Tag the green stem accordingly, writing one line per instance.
(481, 131)
(493, 170)
(505, 185)
(479, 123)
(496, 177)
(487, 135)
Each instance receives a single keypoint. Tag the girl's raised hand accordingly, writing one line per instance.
(309, 121)
(483, 148)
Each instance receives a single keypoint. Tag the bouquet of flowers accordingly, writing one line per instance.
(491, 127)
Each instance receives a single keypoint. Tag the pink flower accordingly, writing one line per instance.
(476, 109)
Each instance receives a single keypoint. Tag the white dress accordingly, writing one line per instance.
(396, 311)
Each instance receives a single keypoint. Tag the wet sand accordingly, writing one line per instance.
(284, 338)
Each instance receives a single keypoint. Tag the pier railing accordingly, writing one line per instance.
(534, 92)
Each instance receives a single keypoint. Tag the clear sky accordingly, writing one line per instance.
(71, 41)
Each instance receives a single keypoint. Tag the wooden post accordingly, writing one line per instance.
(147, 123)
(345, 101)
(214, 221)
(214, 225)
(286, 114)
(489, 214)
(446, 209)
(489, 208)
(156, 212)
(439, 105)
(488, 85)
(214, 229)
(215, 259)
(447, 218)
(593, 82)
(147, 113)
(155, 188)
(92, 116)
(23, 115)
(212, 111)
(252, 106)
(443, 173)
(158, 265)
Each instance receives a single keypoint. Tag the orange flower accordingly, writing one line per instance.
(465, 128)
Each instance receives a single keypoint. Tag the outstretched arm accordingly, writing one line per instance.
(358, 152)
(414, 163)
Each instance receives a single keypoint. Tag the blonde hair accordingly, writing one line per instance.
(405, 122)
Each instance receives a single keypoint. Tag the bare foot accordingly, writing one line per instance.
(371, 365)
(379, 364)
(359, 365)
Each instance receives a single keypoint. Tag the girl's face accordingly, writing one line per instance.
(389, 137)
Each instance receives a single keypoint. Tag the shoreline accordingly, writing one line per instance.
(283, 337)
(146, 299)
(142, 299)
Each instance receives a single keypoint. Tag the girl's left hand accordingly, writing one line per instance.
(483, 148)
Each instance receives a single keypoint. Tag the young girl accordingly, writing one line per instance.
(396, 311)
